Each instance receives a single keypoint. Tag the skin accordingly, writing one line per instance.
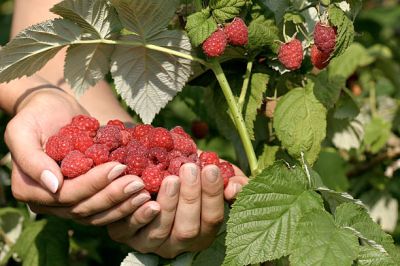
(188, 210)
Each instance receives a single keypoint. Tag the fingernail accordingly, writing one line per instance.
(133, 187)
(212, 174)
(151, 211)
(190, 174)
(237, 188)
(49, 180)
(172, 187)
(140, 199)
(116, 171)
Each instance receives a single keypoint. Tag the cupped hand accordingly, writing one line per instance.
(186, 216)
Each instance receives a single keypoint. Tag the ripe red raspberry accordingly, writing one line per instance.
(158, 155)
(140, 131)
(98, 153)
(126, 137)
(199, 129)
(110, 136)
(86, 123)
(160, 137)
(58, 146)
(69, 131)
(82, 141)
(152, 178)
(237, 32)
(291, 54)
(215, 45)
(208, 157)
(176, 163)
(118, 155)
(325, 37)
(75, 164)
(318, 58)
(227, 171)
(136, 163)
(117, 123)
(185, 145)
(180, 131)
(173, 154)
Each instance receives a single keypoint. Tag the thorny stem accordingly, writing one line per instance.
(245, 84)
(236, 116)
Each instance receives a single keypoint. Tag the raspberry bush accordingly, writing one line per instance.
(282, 81)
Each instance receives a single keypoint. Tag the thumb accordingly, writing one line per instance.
(27, 152)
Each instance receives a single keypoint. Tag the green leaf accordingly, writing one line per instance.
(11, 221)
(258, 86)
(346, 134)
(139, 259)
(226, 9)
(32, 48)
(370, 256)
(345, 29)
(86, 64)
(185, 259)
(200, 26)
(300, 122)
(294, 17)
(377, 132)
(145, 18)
(214, 255)
(278, 7)
(146, 79)
(43, 243)
(346, 107)
(334, 198)
(267, 158)
(326, 88)
(264, 217)
(263, 33)
(319, 241)
(94, 16)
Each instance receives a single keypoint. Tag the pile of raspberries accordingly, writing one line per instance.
(151, 153)
(291, 53)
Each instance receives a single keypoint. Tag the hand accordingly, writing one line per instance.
(186, 216)
(37, 180)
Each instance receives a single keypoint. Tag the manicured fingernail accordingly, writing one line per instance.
(172, 187)
(212, 174)
(116, 171)
(140, 199)
(151, 211)
(133, 187)
(190, 173)
(49, 180)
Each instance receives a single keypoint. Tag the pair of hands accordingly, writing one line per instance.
(185, 217)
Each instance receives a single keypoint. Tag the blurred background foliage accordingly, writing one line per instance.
(370, 171)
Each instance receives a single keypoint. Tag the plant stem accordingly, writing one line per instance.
(245, 84)
(236, 116)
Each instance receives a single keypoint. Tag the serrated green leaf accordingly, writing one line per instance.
(97, 17)
(139, 259)
(335, 198)
(377, 132)
(146, 79)
(300, 122)
(264, 217)
(226, 9)
(258, 86)
(345, 29)
(42, 243)
(267, 158)
(332, 169)
(86, 64)
(294, 17)
(319, 241)
(32, 48)
(263, 33)
(346, 107)
(145, 18)
(370, 256)
(200, 26)
(327, 89)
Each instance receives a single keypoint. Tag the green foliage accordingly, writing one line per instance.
(377, 132)
(345, 29)
(200, 26)
(263, 33)
(226, 9)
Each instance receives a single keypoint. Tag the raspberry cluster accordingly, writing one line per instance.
(151, 153)
(233, 33)
(324, 44)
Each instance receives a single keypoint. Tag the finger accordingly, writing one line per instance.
(155, 233)
(123, 230)
(212, 200)
(234, 186)
(29, 155)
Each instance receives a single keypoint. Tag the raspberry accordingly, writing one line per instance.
(69, 131)
(227, 171)
(58, 146)
(82, 141)
(176, 163)
(110, 136)
(185, 145)
(236, 32)
(152, 178)
(160, 137)
(158, 155)
(75, 164)
(136, 163)
(173, 154)
(291, 54)
(325, 37)
(215, 45)
(140, 131)
(145, 142)
(126, 136)
(318, 58)
(194, 158)
(118, 155)
(117, 123)
(98, 153)
(180, 131)
(86, 123)
(208, 157)
(199, 129)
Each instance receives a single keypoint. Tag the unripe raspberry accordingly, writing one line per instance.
(215, 45)
(291, 54)
(237, 32)
(318, 58)
(325, 37)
